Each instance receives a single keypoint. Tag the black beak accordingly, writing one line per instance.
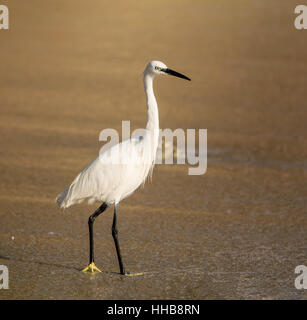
(175, 74)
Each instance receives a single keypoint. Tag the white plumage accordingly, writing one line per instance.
(107, 180)
(119, 171)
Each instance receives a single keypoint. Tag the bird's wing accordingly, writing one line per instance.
(105, 175)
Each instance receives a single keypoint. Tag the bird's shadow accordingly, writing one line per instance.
(126, 275)
(52, 265)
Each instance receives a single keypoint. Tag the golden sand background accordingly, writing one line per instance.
(71, 68)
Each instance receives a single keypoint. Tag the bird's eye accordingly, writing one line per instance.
(158, 68)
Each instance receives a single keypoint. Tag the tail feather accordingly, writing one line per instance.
(61, 199)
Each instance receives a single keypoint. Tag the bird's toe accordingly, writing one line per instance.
(91, 268)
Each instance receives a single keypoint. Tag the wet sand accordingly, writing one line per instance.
(69, 70)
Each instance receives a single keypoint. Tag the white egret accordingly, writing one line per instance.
(109, 180)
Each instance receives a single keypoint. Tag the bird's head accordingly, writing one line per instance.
(159, 68)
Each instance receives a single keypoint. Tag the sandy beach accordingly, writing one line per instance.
(70, 69)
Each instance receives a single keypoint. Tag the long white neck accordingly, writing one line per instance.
(152, 127)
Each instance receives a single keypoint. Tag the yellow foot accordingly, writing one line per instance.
(91, 268)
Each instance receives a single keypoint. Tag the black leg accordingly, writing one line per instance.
(115, 237)
(91, 220)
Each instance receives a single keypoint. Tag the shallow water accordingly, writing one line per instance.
(237, 232)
